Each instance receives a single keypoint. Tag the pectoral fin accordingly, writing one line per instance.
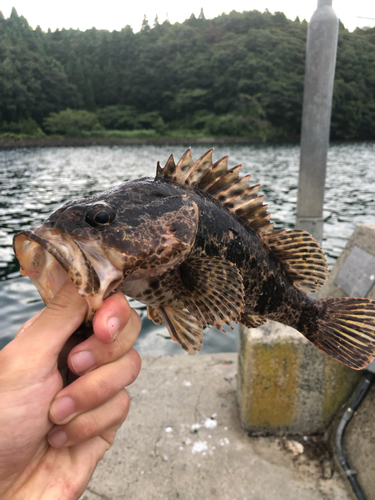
(211, 289)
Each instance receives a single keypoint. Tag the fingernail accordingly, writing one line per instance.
(114, 326)
(82, 361)
(62, 408)
(58, 438)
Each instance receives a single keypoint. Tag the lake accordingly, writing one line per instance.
(35, 182)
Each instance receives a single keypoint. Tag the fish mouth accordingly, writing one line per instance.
(48, 257)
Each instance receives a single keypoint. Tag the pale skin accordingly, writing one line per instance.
(63, 399)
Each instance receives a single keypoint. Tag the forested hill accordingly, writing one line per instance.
(239, 74)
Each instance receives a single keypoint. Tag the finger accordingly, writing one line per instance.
(93, 353)
(56, 323)
(28, 323)
(94, 423)
(95, 388)
(111, 318)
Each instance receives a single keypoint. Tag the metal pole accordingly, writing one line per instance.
(316, 117)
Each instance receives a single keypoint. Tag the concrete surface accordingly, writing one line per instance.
(286, 385)
(359, 437)
(362, 237)
(183, 440)
(359, 444)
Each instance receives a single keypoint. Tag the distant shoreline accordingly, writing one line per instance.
(11, 143)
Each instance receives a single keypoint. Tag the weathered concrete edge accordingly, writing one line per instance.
(362, 237)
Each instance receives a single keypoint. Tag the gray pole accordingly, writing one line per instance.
(316, 117)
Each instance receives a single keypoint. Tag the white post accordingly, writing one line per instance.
(316, 117)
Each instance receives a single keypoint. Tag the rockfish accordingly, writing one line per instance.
(196, 246)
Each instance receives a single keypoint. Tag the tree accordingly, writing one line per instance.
(145, 25)
(240, 73)
(71, 122)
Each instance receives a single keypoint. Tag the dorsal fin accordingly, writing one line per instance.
(225, 185)
(301, 256)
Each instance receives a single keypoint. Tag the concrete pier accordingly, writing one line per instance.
(316, 117)
(183, 441)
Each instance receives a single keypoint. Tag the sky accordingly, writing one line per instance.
(116, 14)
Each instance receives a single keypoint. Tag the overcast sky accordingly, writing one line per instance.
(115, 14)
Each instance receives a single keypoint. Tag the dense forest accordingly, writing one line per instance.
(239, 74)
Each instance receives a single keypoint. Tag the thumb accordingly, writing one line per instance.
(49, 331)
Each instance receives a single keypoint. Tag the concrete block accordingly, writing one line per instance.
(363, 237)
(285, 385)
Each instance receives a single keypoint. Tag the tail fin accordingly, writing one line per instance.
(346, 330)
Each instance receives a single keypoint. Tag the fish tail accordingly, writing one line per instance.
(345, 330)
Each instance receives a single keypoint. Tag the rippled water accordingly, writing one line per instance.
(34, 182)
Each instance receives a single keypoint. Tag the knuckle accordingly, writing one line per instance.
(128, 334)
(134, 364)
(124, 400)
(89, 426)
(102, 389)
(136, 320)
(122, 405)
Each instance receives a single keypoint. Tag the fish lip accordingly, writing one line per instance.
(43, 263)
(32, 235)
(48, 269)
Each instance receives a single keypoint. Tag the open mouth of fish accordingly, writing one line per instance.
(48, 257)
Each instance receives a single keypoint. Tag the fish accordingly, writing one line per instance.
(196, 245)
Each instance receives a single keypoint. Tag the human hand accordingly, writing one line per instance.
(51, 436)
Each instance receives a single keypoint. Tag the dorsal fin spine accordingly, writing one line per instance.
(184, 166)
(225, 185)
(201, 165)
(211, 175)
(224, 181)
(236, 189)
(169, 168)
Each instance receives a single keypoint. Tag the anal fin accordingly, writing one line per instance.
(183, 328)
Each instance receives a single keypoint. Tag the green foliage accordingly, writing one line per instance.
(72, 122)
(127, 118)
(32, 84)
(26, 127)
(118, 117)
(238, 74)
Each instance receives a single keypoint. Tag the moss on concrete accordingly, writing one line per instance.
(275, 384)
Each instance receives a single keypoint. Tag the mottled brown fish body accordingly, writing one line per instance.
(195, 245)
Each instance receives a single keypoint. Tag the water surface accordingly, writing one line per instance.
(35, 182)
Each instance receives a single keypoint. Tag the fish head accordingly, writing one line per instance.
(132, 232)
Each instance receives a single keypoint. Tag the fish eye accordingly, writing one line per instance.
(99, 216)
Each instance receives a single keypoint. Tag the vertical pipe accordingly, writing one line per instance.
(316, 117)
